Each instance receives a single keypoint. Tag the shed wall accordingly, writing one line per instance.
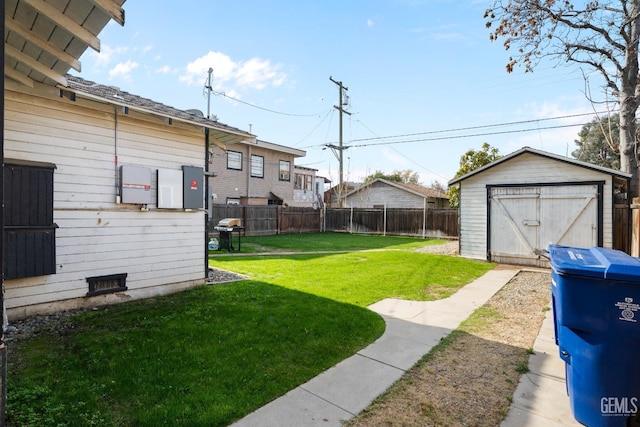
(524, 169)
(379, 193)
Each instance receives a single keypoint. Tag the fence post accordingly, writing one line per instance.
(635, 227)
(424, 218)
(384, 221)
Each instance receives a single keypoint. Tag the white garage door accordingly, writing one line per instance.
(525, 220)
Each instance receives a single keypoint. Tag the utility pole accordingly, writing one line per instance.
(341, 147)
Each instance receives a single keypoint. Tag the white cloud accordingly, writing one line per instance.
(231, 76)
(123, 70)
(369, 22)
(106, 54)
(258, 74)
(166, 69)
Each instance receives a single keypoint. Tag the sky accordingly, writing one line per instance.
(422, 81)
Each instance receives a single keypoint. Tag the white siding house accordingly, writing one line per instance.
(513, 208)
(108, 248)
(306, 188)
(381, 193)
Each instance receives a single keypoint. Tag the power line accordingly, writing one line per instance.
(465, 136)
(482, 126)
(378, 138)
(263, 108)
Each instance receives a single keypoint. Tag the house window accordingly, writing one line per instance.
(285, 170)
(303, 182)
(257, 166)
(30, 233)
(234, 160)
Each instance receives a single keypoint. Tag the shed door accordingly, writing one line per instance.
(525, 220)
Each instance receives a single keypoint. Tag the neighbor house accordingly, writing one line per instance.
(308, 190)
(513, 208)
(104, 196)
(253, 172)
(380, 193)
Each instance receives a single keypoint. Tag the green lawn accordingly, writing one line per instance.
(312, 242)
(211, 355)
(361, 278)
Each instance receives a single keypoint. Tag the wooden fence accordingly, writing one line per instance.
(396, 221)
(269, 220)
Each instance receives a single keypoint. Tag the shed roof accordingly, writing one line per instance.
(529, 150)
(416, 189)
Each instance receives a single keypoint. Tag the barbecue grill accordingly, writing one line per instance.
(226, 227)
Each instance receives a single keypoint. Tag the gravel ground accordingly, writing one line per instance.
(449, 248)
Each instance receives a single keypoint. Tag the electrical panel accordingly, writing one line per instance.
(135, 184)
(170, 183)
(193, 183)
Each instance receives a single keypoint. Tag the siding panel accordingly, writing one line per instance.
(161, 250)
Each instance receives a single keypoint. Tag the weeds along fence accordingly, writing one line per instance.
(269, 220)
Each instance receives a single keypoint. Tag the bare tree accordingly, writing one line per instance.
(602, 35)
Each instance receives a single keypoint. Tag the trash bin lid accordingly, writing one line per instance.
(594, 262)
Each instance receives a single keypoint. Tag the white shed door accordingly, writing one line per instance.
(524, 220)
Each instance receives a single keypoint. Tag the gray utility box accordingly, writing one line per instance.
(193, 183)
(135, 184)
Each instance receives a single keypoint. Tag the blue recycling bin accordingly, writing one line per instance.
(596, 309)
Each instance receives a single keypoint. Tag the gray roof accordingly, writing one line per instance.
(115, 96)
(416, 189)
(541, 153)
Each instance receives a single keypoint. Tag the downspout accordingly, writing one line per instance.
(3, 348)
(115, 155)
(206, 202)
(249, 175)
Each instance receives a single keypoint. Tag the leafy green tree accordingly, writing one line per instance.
(601, 35)
(599, 142)
(406, 176)
(470, 161)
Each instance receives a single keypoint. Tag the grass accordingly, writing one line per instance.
(362, 278)
(211, 355)
(319, 242)
(199, 358)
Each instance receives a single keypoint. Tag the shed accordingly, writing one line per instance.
(380, 192)
(513, 208)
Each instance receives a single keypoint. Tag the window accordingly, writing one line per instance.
(303, 182)
(30, 233)
(285, 170)
(257, 166)
(234, 160)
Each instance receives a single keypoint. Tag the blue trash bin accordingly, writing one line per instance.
(596, 308)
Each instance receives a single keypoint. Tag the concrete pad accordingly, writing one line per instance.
(541, 397)
(400, 352)
(298, 408)
(353, 383)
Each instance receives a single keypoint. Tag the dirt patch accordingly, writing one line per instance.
(448, 248)
(470, 377)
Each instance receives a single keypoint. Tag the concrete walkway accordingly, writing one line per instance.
(541, 400)
(344, 390)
